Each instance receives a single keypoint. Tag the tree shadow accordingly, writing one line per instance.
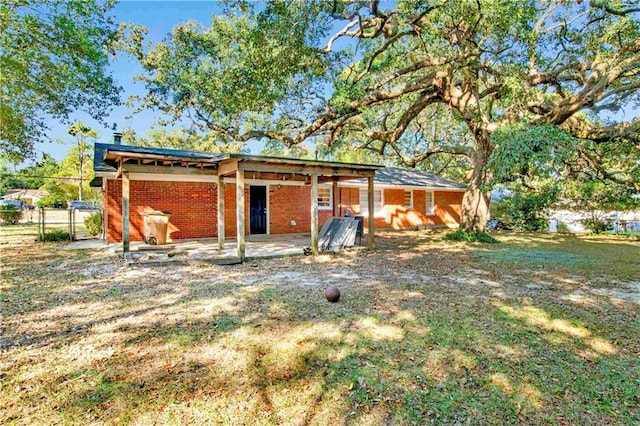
(412, 340)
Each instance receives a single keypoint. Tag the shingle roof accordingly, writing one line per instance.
(395, 176)
(99, 165)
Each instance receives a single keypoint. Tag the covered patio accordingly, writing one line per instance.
(126, 163)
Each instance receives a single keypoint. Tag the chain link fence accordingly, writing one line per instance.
(35, 223)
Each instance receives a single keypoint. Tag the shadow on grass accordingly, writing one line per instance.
(416, 337)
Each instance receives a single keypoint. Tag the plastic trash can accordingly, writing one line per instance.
(156, 223)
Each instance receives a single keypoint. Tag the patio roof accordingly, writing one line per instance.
(107, 157)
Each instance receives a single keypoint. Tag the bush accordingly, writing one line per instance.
(55, 235)
(94, 224)
(524, 212)
(597, 225)
(10, 215)
(470, 237)
(562, 228)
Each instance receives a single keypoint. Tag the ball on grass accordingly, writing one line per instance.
(332, 294)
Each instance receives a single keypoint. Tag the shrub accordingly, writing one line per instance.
(10, 215)
(470, 237)
(562, 228)
(524, 211)
(597, 225)
(94, 224)
(55, 235)
(57, 199)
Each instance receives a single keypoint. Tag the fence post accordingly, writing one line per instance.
(41, 227)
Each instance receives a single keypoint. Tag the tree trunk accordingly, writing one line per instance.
(475, 203)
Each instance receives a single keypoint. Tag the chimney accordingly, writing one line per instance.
(117, 138)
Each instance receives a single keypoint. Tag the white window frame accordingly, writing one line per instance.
(427, 195)
(330, 206)
(410, 205)
(378, 211)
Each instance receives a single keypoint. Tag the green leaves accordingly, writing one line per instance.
(525, 151)
(245, 63)
(53, 60)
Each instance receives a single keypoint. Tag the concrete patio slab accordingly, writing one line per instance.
(203, 249)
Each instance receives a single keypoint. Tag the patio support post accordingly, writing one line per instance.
(240, 213)
(370, 197)
(336, 199)
(125, 214)
(220, 182)
(314, 214)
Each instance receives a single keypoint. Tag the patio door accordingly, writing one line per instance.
(257, 210)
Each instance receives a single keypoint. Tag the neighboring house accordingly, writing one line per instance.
(627, 222)
(29, 196)
(277, 193)
(574, 220)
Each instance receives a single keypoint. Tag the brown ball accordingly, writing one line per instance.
(332, 294)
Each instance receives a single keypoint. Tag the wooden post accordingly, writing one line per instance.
(240, 213)
(336, 198)
(372, 243)
(69, 230)
(314, 214)
(220, 183)
(125, 214)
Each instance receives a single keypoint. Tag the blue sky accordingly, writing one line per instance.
(159, 17)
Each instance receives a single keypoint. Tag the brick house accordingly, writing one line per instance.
(260, 195)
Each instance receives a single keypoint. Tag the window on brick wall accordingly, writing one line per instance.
(408, 199)
(430, 206)
(364, 203)
(324, 198)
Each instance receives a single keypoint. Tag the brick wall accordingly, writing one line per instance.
(448, 207)
(193, 207)
(397, 216)
(287, 203)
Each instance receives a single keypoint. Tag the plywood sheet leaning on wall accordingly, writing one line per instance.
(337, 233)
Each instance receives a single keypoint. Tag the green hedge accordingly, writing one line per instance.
(470, 237)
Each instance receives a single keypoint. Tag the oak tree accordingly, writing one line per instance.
(291, 72)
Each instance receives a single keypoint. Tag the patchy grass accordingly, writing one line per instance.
(537, 329)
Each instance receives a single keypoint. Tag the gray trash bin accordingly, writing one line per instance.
(156, 223)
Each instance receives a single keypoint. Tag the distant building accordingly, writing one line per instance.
(29, 196)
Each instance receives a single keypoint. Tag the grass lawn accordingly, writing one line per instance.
(538, 329)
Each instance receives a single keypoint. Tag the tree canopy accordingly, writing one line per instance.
(375, 73)
(53, 59)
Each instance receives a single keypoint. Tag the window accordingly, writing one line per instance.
(430, 206)
(408, 199)
(364, 202)
(324, 198)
